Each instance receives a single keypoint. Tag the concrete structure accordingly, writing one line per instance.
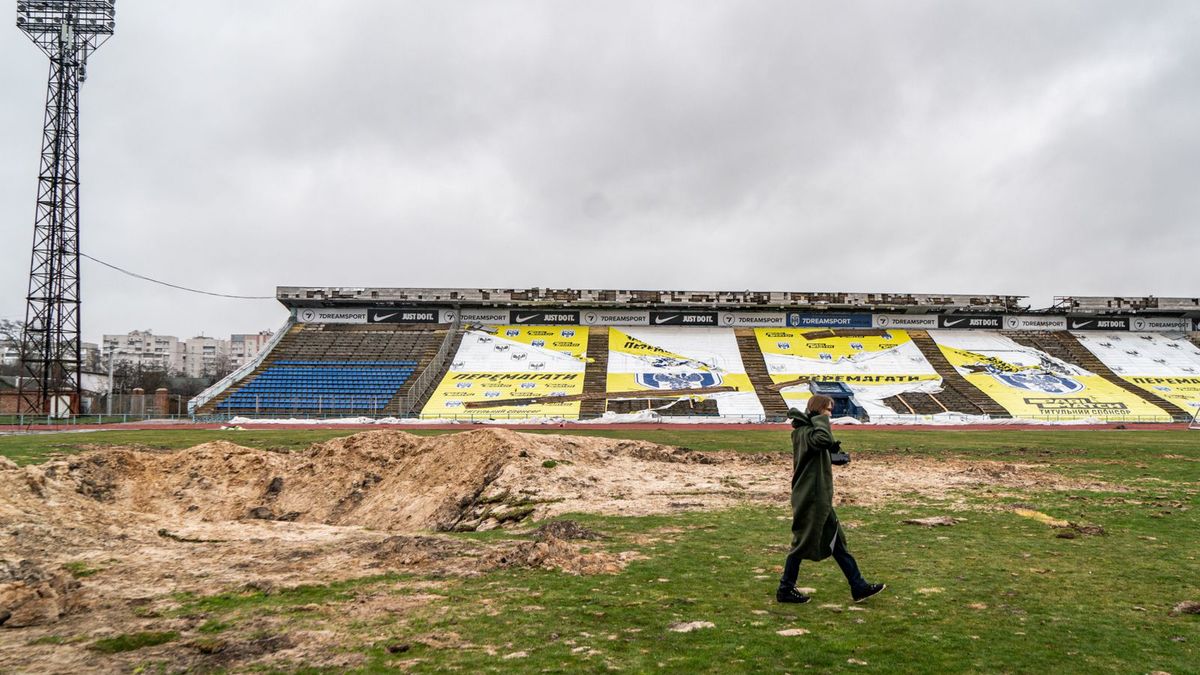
(205, 357)
(145, 349)
(243, 347)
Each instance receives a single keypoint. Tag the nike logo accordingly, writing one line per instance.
(523, 319)
(384, 317)
(664, 319)
(1080, 324)
(950, 323)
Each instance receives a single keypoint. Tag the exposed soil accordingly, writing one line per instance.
(138, 525)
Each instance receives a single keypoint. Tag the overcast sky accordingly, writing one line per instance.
(1030, 148)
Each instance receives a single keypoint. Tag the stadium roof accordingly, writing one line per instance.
(298, 296)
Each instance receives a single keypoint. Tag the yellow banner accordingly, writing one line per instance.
(671, 385)
(456, 389)
(791, 342)
(1182, 391)
(1035, 392)
(622, 342)
(566, 339)
(889, 359)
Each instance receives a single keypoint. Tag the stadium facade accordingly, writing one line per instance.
(523, 354)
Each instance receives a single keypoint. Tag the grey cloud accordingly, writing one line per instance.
(1029, 148)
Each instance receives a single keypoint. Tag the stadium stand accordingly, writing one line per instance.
(1065, 346)
(1157, 366)
(582, 353)
(957, 394)
(1028, 382)
(671, 362)
(335, 369)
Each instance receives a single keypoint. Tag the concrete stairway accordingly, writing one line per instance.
(595, 375)
(958, 395)
(756, 367)
(1062, 345)
(287, 344)
(430, 352)
(916, 403)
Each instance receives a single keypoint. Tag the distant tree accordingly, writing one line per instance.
(11, 334)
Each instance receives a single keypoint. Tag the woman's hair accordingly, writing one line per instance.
(817, 404)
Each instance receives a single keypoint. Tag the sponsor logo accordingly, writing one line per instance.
(856, 346)
(1039, 381)
(1097, 323)
(677, 381)
(454, 404)
(903, 321)
(402, 316)
(829, 320)
(528, 385)
(491, 394)
(537, 365)
(568, 333)
(1075, 405)
(991, 321)
(550, 318)
(484, 317)
(307, 315)
(462, 385)
(518, 356)
(538, 343)
(1012, 322)
(683, 318)
(783, 345)
(512, 332)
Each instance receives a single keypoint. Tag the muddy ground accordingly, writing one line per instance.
(141, 525)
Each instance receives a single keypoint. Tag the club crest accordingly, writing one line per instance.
(674, 381)
(1039, 381)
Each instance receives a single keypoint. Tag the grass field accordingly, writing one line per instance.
(997, 592)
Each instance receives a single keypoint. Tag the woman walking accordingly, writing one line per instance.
(816, 533)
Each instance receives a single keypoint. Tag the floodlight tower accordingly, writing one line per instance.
(67, 31)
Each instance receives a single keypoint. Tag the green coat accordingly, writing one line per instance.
(814, 523)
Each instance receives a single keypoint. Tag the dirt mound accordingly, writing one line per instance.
(31, 595)
(388, 480)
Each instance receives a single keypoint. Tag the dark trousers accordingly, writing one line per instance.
(791, 567)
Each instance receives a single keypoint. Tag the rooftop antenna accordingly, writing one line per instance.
(67, 31)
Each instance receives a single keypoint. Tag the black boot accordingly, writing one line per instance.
(790, 594)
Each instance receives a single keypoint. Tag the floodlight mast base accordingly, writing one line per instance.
(67, 31)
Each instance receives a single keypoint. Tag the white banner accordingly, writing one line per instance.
(1015, 322)
(764, 319)
(614, 317)
(918, 321)
(1156, 324)
(331, 315)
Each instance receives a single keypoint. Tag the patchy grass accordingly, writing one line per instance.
(80, 570)
(996, 592)
(132, 641)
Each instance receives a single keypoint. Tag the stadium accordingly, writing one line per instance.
(612, 356)
(487, 479)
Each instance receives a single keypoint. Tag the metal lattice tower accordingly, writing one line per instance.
(67, 31)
